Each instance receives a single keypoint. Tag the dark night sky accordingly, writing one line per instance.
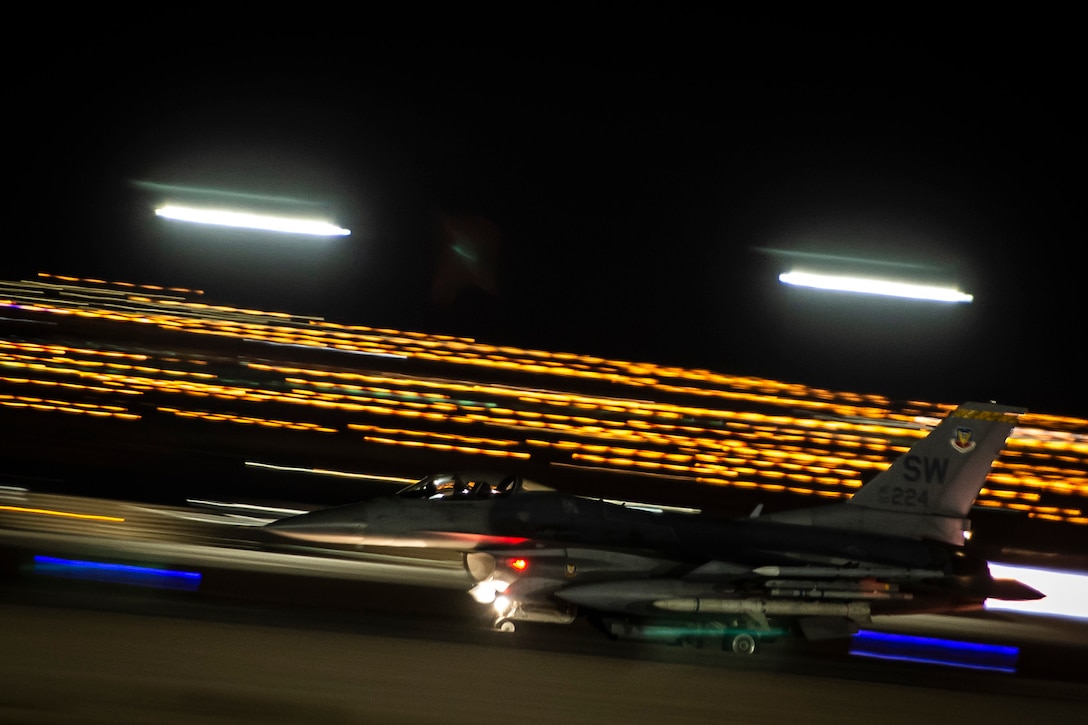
(616, 170)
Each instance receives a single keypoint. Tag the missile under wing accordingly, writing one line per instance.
(535, 554)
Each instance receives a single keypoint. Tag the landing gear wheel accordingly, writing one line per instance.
(505, 625)
(743, 644)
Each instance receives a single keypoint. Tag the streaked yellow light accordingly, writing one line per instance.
(63, 514)
(631, 430)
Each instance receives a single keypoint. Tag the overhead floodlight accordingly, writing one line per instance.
(249, 220)
(874, 286)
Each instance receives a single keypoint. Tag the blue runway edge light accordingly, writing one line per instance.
(117, 573)
(932, 650)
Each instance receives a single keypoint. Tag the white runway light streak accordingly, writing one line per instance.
(249, 220)
(874, 286)
(1064, 590)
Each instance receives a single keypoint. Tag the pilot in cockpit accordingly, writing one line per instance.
(478, 488)
(461, 487)
(453, 487)
(444, 487)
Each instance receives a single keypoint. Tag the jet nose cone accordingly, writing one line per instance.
(340, 525)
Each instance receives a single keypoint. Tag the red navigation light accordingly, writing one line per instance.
(518, 564)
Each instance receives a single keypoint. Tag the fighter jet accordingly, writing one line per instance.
(537, 555)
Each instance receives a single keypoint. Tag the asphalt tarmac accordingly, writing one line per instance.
(77, 665)
(286, 635)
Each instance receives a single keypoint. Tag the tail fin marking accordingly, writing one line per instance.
(942, 474)
(926, 493)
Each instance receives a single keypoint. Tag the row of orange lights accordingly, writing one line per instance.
(639, 433)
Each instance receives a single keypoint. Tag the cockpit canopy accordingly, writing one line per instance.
(470, 485)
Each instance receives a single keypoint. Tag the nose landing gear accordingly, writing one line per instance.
(518, 612)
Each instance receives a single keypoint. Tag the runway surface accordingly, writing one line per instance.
(76, 666)
(275, 634)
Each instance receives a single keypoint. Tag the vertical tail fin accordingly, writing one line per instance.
(942, 474)
(928, 492)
